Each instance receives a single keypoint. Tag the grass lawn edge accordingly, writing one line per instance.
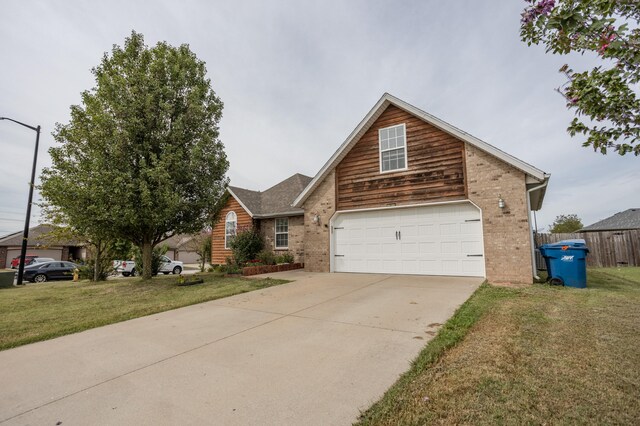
(450, 334)
(131, 315)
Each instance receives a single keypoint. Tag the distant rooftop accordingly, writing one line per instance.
(275, 201)
(38, 236)
(628, 219)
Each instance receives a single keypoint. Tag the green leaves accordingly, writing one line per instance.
(605, 99)
(140, 158)
(566, 224)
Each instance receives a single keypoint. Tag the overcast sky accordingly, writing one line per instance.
(297, 76)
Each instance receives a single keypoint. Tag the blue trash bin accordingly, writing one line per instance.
(566, 262)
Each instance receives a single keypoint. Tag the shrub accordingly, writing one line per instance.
(85, 272)
(267, 257)
(285, 257)
(246, 245)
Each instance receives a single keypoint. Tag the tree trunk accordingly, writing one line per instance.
(96, 265)
(147, 260)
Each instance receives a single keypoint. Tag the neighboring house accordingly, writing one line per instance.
(622, 221)
(407, 193)
(269, 212)
(182, 247)
(40, 243)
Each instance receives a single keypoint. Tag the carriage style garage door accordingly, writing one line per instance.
(431, 240)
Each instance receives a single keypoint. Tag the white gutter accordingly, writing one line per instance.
(533, 243)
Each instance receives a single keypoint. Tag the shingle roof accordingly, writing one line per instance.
(275, 201)
(37, 236)
(628, 219)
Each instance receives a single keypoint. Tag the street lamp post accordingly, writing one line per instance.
(25, 234)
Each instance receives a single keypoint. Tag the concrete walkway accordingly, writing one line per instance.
(314, 351)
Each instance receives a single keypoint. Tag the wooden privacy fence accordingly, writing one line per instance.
(606, 248)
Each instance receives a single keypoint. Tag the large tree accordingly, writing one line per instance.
(140, 158)
(605, 99)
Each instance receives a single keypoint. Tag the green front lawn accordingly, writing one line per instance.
(42, 311)
(534, 355)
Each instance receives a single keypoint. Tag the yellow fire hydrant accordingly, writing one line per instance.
(76, 274)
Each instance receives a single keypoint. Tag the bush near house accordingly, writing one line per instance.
(246, 245)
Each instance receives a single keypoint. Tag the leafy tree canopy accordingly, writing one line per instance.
(605, 99)
(566, 224)
(140, 158)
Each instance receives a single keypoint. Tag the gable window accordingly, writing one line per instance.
(393, 148)
(230, 228)
(282, 233)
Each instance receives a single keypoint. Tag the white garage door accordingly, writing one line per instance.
(434, 240)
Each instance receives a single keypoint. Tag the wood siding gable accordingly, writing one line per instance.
(218, 252)
(435, 160)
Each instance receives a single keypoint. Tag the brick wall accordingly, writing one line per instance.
(296, 236)
(507, 233)
(316, 236)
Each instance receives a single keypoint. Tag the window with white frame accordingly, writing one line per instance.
(282, 233)
(230, 228)
(393, 148)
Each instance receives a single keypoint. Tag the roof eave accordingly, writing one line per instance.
(282, 214)
(234, 195)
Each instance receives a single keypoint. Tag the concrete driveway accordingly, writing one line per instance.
(314, 351)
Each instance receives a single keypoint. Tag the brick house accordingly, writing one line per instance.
(270, 212)
(407, 193)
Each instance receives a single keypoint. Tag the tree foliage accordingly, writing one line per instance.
(246, 245)
(564, 224)
(201, 245)
(605, 99)
(100, 250)
(140, 158)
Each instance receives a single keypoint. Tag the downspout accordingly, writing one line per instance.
(533, 243)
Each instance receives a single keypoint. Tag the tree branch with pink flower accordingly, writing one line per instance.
(605, 99)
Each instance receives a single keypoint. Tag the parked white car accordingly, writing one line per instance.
(167, 266)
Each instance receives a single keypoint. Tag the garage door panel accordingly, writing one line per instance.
(471, 247)
(450, 267)
(472, 266)
(471, 228)
(372, 233)
(433, 240)
(392, 266)
(449, 229)
(410, 266)
(450, 247)
(390, 249)
(428, 248)
(424, 230)
(409, 248)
